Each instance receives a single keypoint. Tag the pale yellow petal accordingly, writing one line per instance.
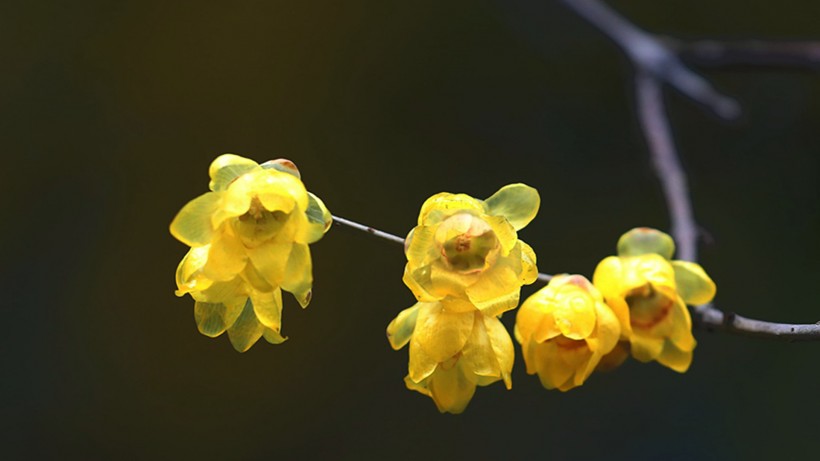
(192, 225)
(418, 386)
(645, 240)
(227, 167)
(681, 332)
(442, 334)
(281, 191)
(675, 359)
(246, 330)
(226, 257)
(694, 285)
(401, 328)
(445, 204)
(268, 308)
(319, 219)
(502, 346)
(646, 348)
(552, 371)
(270, 260)
(298, 277)
(504, 232)
(529, 270)
(273, 337)
(518, 203)
(479, 357)
(451, 390)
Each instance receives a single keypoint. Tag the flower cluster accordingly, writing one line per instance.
(249, 240)
(635, 304)
(466, 266)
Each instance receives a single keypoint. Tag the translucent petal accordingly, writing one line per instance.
(646, 348)
(236, 199)
(445, 281)
(675, 359)
(226, 257)
(478, 355)
(280, 191)
(298, 277)
(502, 346)
(681, 333)
(442, 334)
(401, 328)
(268, 308)
(192, 225)
(500, 280)
(645, 240)
(529, 270)
(418, 282)
(421, 364)
(270, 260)
(284, 165)
(319, 219)
(246, 330)
(498, 306)
(273, 337)
(445, 204)
(518, 203)
(552, 371)
(418, 387)
(504, 232)
(212, 319)
(227, 167)
(233, 291)
(607, 329)
(694, 285)
(421, 250)
(189, 267)
(451, 390)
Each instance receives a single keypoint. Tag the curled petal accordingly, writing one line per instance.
(268, 308)
(444, 204)
(284, 165)
(502, 346)
(298, 277)
(318, 217)
(675, 359)
(451, 390)
(227, 167)
(694, 285)
(192, 225)
(246, 330)
(645, 240)
(518, 203)
(401, 328)
(273, 337)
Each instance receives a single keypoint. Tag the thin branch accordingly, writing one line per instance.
(545, 278)
(655, 126)
(369, 230)
(650, 55)
(749, 53)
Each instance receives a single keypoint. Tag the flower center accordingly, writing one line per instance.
(648, 306)
(466, 242)
(259, 225)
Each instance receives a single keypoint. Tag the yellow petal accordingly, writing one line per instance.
(442, 334)
(502, 346)
(451, 390)
(421, 249)
(645, 240)
(401, 328)
(504, 232)
(529, 270)
(418, 387)
(607, 277)
(615, 358)
(192, 225)
(270, 260)
(552, 371)
(421, 364)
(236, 199)
(418, 281)
(298, 277)
(498, 306)
(227, 167)
(444, 204)
(284, 165)
(675, 359)
(498, 281)
(681, 333)
(445, 281)
(246, 330)
(268, 308)
(226, 257)
(607, 329)
(233, 291)
(280, 191)
(273, 337)
(694, 285)
(479, 357)
(319, 219)
(646, 348)
(189, 268)
(212, 318)
(518, 203)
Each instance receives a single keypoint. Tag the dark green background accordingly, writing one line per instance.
(110, 113)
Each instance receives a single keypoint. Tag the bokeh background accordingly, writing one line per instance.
(111, 112)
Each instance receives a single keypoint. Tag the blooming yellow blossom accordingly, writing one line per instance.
(249, 240)
(452, 352)
(564, 330)
(468, 249)
(649, 293)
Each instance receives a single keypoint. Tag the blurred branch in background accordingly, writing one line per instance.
(656, 63)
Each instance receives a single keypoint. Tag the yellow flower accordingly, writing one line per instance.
(468, 249)
(249, 240)
(452, 352)
(649, 293)
(564, 330)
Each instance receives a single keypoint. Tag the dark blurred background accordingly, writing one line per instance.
(112, 111)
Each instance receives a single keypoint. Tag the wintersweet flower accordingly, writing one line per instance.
(451, 352)
(564, 330)
(468, 249)
(249, 240)
(649, 294)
